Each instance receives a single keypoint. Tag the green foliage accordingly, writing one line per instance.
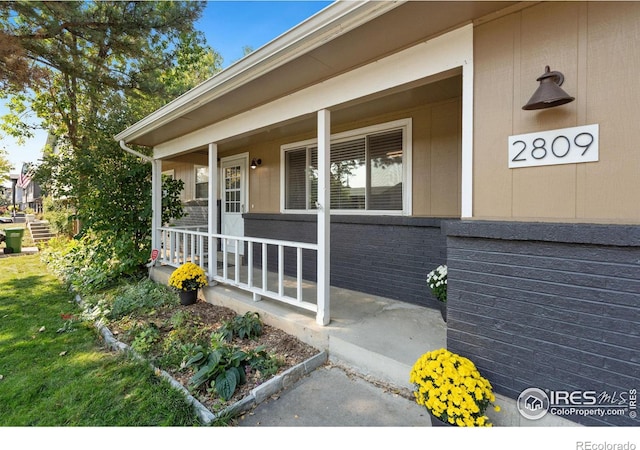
(59, 215)
(225, 367)
(222, 367)
(248, 326)
(141, 297)
(104, 65)
(145, 338)
(5, 166)
(93, 262)
(263, 362)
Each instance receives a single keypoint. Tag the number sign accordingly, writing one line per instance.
(546, 148)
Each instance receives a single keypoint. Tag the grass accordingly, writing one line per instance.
(51, 378)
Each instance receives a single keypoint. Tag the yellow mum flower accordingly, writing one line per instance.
(451, 388)
(188, 276)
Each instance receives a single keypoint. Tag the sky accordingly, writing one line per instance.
(229, 26)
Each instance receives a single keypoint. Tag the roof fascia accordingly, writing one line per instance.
(328, 24)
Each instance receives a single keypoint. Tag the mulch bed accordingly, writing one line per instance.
(289, 349)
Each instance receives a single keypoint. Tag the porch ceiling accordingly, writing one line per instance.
(403, 98)
(411, 22)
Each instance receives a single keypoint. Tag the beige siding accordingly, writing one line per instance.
(436, 161)
(184, 169)
(595, 46)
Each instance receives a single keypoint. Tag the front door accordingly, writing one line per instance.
(234, 199)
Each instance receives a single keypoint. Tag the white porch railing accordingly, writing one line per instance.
(236, 268)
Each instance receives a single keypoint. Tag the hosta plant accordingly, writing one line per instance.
(452, 389)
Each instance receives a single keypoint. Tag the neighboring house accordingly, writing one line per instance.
(26, 193)
(403, 113)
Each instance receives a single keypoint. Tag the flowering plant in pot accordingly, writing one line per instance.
(437, 282)
(187, 279)
(452, 389)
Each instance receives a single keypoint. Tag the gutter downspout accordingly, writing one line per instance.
(156, 194)
(123, 146)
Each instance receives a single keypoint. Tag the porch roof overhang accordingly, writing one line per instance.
(340, 38)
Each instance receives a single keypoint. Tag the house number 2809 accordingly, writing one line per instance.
(564, 146)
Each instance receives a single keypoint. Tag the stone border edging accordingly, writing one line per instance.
(256, 396)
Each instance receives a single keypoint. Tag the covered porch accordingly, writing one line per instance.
(329, 158)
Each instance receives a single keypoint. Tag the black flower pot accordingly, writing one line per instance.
(435, 422)
(188, 297)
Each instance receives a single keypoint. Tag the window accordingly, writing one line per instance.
(367, 171)
(202, 182)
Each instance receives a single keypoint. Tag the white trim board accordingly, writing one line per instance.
(443, 53)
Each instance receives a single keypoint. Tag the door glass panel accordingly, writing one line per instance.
(232, 189)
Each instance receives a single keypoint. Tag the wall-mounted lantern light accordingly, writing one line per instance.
(549, 93)
(255, 162)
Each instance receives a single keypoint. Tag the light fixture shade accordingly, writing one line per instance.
(549, 93)
(255, 162)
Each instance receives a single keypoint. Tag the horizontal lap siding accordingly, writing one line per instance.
(552, 315)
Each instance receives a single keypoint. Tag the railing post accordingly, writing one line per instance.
(299, 274)
(264, 267)
(280, 269)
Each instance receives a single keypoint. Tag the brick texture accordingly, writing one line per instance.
(559, 312)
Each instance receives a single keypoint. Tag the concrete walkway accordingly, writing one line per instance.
(25, 251)
(332, 397)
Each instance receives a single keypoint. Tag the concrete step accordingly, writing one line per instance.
(40, 231)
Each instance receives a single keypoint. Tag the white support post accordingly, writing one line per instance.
(324, 213)
(467, 127)
(213, 211)
(156, 203)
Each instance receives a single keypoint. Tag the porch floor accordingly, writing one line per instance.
(374, 336)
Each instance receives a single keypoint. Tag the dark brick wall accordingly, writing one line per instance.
(387, 256)
(553, 306)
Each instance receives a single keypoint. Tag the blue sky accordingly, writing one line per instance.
(229, 26)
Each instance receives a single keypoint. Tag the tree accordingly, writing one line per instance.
(5, 166)
(101, 66)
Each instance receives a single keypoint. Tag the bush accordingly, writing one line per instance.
(93, 261)
(141, 297)
(59, 215)
(248, 326)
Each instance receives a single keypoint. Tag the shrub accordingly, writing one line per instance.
(248, 326)
(141, 296)
(59, 215)
(92, 262)
(145, 338)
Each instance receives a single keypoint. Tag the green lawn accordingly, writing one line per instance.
(50, 378)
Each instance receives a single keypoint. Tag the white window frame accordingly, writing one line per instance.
(195, 181)
(407, 180)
